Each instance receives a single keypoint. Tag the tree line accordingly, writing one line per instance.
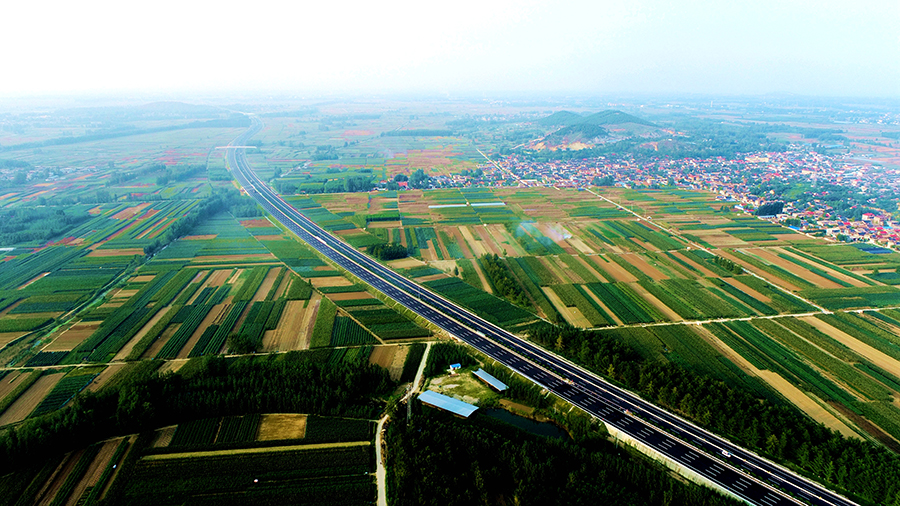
(777, 431)
(204, 387)
(437, 459)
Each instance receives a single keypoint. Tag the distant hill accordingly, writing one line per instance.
(608, 117)
(561, 118)
(579, 132)
(611, 117)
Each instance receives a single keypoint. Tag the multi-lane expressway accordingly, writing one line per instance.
(743, 473)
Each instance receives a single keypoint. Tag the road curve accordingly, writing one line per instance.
(742, 472)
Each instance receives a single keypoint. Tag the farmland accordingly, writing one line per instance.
(155, 261)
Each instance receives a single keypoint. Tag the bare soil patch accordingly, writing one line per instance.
(94, 470)
(51, 488)
(613, 269)
(202, 237)
(72, 337)
(267, 284)
(768, 277)
(867, 426)
(515, 407)
(804, 401)
(285, 281)
(105, 376)
(8, 337)
(116, 252)
(294, 327)
(259, 223)
(839, 275)
(172, 366)
(130, 212)
(431, 277)
(485, 285)
(456, 237)
(880, 359)
(126, 350)
(746, 289)
(25, 404)
(143, 278)
(164, 337)
(270, 238)
(475, 246)
(658, 304)
(571, 314)
(32, 280)
(11, 381)
(699, 268)
(216, 314)
(383, 355)
(233, 258)
(330, 281)
(275, 427)
(350, 295)
(793, 268)
(396, 367)
(124, 293)
(593, 296)
(639, 262)
(164, 437)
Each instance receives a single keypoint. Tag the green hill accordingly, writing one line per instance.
(611, 117)
(561, 118)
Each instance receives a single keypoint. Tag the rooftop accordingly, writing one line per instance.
(490, 380)
(450, 404)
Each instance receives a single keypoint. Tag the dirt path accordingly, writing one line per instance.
(380, 470)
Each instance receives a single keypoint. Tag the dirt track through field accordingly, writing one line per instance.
(25, 404)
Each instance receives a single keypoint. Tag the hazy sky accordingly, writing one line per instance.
(821, 47)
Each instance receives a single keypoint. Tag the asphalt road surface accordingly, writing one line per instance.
(745, 474)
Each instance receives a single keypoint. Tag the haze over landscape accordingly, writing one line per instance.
(424, 254)
(581, 47)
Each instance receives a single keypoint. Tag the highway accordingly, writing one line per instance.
(745, 474)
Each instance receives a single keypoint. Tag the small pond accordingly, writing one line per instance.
(545, 429)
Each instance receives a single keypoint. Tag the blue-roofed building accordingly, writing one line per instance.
(490, 380)
(440, 401)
